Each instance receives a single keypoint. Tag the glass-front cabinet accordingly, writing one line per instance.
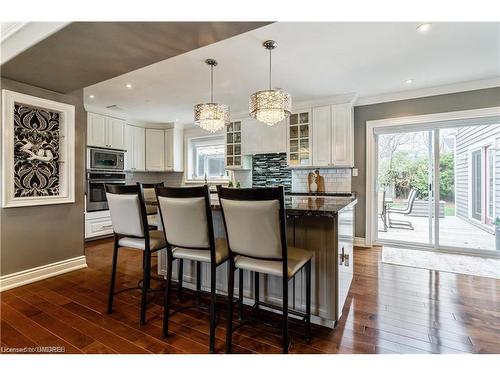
(299, 139)
(233, 145)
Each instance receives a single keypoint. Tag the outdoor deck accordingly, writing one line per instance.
(453, 231)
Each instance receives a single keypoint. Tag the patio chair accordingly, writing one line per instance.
(402, 224)
(382, 209)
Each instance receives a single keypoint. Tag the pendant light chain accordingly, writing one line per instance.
(270, 68)
(211, 83)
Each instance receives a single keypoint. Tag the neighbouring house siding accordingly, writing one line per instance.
(467, 138)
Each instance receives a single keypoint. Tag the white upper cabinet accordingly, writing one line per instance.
(155, 150)
(116, 133)
(299, 139)
(104, 131)
(96, 130)
(135, 158)
(322, 135)
(259, 138)
(174, 150)
(342, 135)
(333, 136)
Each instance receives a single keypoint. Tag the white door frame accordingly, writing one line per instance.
(371, 156)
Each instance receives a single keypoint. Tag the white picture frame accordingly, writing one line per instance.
(66, 155)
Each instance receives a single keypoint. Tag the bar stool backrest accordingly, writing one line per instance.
(149, 190)
(186, 216)
(128, 214)
(255, 221)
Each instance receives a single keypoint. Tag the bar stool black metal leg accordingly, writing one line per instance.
(168, 292)
(148, 278)
(113, 276)
(198, 283)
(308, 301)
(229, 318)
(179, 278)
(285, 313)
(256, 292)
(240, 300)
(212, 307)
(144, 298)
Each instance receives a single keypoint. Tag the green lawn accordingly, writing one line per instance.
(449, 209)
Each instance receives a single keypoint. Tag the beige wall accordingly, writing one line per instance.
(433, 104)
(40, 235)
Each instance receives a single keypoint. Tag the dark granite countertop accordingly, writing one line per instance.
(300, 205)
(305, 205)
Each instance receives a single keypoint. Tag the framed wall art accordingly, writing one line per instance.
(38, 148)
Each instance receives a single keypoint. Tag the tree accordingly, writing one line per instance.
(404, 171)
(447, 177)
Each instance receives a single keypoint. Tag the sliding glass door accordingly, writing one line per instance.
(469, 187)
(404, 187)
(438, 187)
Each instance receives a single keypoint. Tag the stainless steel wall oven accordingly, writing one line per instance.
(103, 167)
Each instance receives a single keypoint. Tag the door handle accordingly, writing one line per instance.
(342, 256)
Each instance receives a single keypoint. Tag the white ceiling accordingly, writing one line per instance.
(313, 60)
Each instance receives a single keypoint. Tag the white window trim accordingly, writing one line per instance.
(489, 193)
(481, 146)
(188, 138)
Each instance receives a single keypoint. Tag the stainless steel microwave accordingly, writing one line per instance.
(105, 159)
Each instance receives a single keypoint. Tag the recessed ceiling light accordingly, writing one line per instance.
(91, 96)
(424, 27)
(128, 86)
(409, 81)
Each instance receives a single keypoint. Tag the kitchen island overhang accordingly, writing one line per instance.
(321, 224)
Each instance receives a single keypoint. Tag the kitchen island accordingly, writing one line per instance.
(321, 224)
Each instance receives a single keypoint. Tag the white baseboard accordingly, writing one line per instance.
(32, 275)
(360, 242)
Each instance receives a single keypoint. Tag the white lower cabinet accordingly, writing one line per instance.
(155, 150)
(98, 224)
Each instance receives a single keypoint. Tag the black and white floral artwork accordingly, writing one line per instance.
(36, 151)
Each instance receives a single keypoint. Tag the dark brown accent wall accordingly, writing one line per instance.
(84, 53)
(41, 235)
(431, 104)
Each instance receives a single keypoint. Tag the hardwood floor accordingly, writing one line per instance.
(390, 309)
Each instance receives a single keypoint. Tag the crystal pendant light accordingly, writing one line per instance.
(270, 106)
(211, 116)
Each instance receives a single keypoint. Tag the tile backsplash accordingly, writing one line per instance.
(336, 180)
(168, 178)
(271, 170)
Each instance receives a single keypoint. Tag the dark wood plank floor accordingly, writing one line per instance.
(390, 309)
